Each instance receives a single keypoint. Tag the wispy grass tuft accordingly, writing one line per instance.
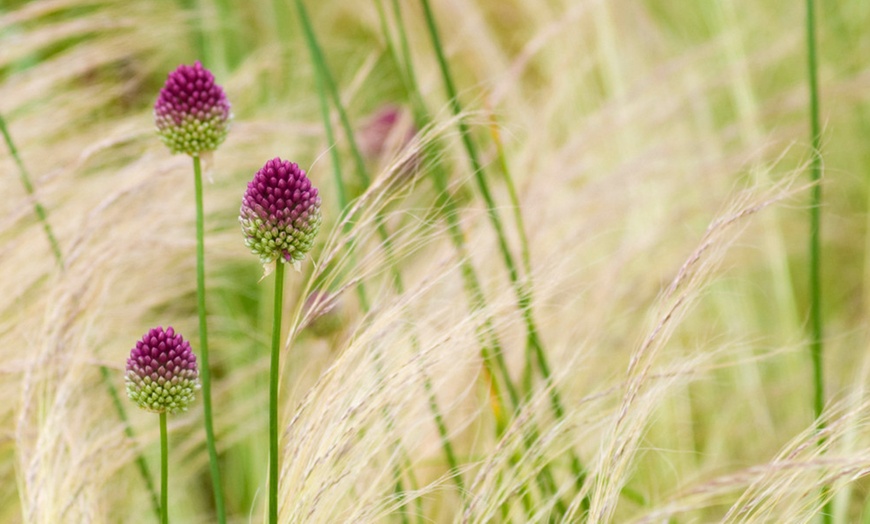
(635, 163)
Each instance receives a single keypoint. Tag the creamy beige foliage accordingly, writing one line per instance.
(658, 150)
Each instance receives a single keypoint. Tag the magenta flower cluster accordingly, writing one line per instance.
(280, 213)
(162, 375)
(192, 112)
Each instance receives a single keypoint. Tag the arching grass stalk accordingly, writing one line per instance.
(520, 226)
(105, 374)
(274, 373)
(491, 350)
(815, 247)
(341, 190)
(141, 465)
(192, 115)
(324, 79)
(523, 295)
(41, 214)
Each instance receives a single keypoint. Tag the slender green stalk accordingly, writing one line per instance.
(28, 187)
(164, 470)
(520, 226)
(815, 247)
(203, 342)
(274, 374)
(815, 218)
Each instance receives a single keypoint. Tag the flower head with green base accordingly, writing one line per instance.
(280, 213)
(192, 113)
(162, 375)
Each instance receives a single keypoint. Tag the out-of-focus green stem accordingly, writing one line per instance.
(815, 245)
(28, 187)
(142, 466)
(42, 215)
(274, 375)
(523, 295)
(524, 240)
(164, 470)
(203, 342)
(324, 79)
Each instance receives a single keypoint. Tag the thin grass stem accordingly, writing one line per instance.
(523, 293)
(324, 79)
(273, 392)
(41, 214)
(106, 375)
(520, 226)
(164, 470)
(141, 464)
(815, 247)
(203, 341)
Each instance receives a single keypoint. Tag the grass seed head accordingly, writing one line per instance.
(192, 113)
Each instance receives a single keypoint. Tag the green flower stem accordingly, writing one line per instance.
(274, 374)
(815, 247)
(164, 470)
(205, 370)
(28, 187)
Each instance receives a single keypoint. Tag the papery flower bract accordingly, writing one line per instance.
(280, 213)
(162, 375)
(192, 113)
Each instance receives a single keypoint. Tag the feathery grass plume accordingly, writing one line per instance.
(162, 377)
(280, 213)
(193, 116)
(192, 113)
(280, 216)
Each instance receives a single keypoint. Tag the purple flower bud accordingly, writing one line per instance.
(280, 213)
(385, 131)
(192, 113)
(161, 372)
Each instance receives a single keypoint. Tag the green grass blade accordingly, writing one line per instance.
(41, 214)
(815, 247)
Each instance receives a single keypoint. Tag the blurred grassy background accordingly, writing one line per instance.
(629, 128)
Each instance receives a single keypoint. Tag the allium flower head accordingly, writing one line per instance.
(280, 213)
(161, 372)
(192, 112)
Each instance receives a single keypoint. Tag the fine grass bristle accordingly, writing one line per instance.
(655, 214)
